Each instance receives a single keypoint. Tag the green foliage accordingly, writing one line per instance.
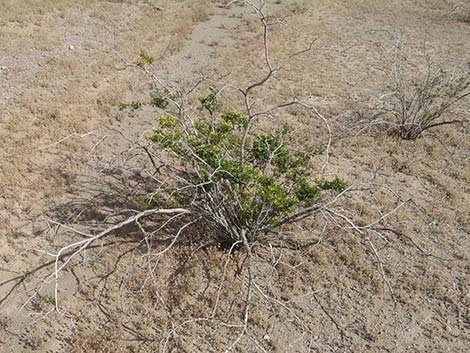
(210, 101)
(307, 193)
(136, 105)
(145, 58)
(145, 202)
(162, 99)
(133, 105)
(319, 150)
(159, 101)
(272, 182)
(336, 184)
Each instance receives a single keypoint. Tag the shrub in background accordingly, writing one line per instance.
(416, 106)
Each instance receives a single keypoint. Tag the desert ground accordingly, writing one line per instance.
(397, 280)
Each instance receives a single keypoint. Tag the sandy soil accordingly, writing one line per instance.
(64, 156)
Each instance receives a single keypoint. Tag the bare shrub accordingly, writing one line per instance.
(460, 12)
(418, 102)
(419, 106)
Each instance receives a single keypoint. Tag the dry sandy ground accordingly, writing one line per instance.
(63, 73)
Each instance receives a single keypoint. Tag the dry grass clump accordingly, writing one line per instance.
(200, 13)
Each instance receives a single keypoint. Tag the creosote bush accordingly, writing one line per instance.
(243, 182)
(419, 105)
(247, 184)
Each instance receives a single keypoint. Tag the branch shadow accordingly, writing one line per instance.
(99, 201)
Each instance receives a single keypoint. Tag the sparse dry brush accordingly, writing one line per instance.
(434, 97)
(460, 11)
(417, 106)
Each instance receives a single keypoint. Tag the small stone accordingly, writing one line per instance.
(71, 47)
